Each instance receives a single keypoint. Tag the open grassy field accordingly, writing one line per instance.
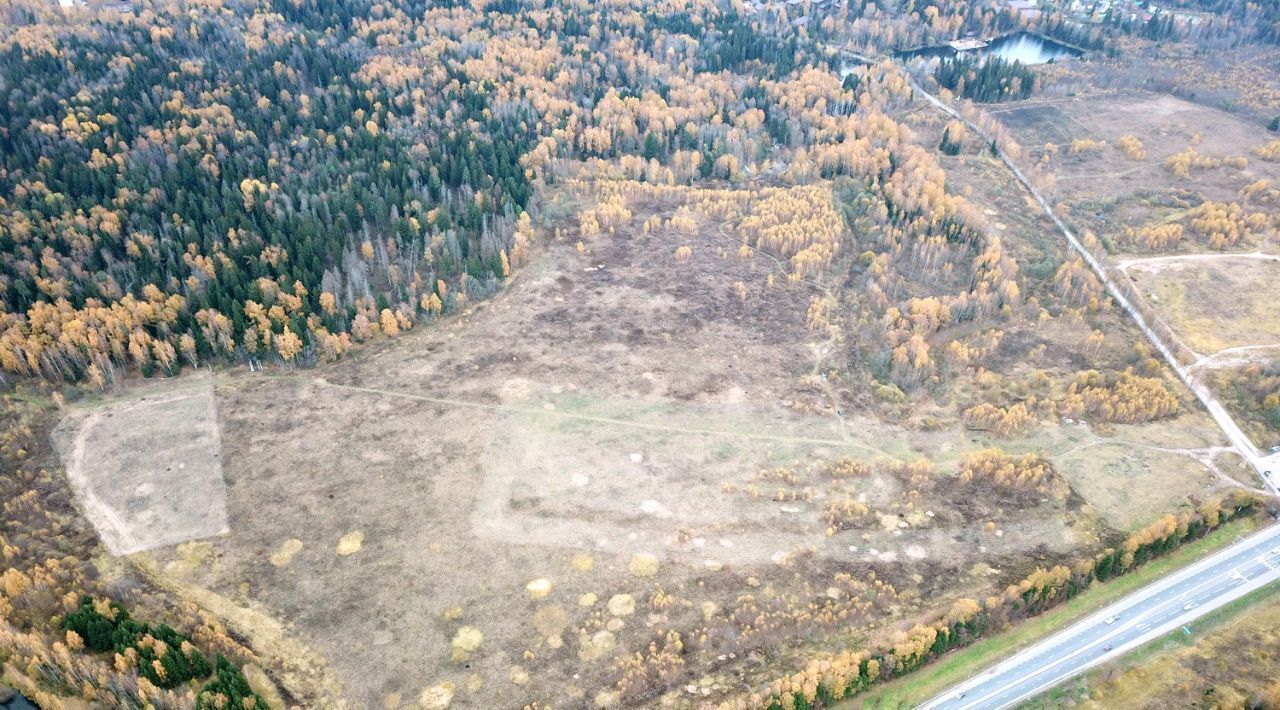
(1217, 304)
(1107, 189)
(633, 474)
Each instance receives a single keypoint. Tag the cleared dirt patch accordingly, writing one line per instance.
(147, 470)
(1129, 485)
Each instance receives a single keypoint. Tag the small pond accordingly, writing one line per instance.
(1023, 47)
(10, 699)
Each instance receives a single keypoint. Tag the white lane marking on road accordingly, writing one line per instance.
(1216, 602)
(1148, 596)
(1170, 613)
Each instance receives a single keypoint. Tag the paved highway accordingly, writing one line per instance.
(1147, 614)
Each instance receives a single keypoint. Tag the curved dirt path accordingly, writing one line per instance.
(115, 534)
(1214, 362)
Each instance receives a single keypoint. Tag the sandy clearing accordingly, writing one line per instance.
(143, 482)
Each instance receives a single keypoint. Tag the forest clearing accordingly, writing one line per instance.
(595, 454)
(706, 355)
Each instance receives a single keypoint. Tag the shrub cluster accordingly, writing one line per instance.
(995, 468)
(1126, 398)
(162, 655)
(228, 689)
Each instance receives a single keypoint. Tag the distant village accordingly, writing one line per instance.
(1084, 12)
(1100, 11)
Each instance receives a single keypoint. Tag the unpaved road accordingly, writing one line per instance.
(1267, 467)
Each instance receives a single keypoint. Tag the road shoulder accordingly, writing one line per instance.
(959, 665)
(1180, 668)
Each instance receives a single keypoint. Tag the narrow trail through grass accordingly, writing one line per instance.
(528, 411)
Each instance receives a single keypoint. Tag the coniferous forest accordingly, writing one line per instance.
(989, 80)
(222, 188)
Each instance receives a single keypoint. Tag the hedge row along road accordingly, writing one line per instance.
(1139, 618)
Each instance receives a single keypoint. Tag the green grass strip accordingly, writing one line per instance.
(1172, 641)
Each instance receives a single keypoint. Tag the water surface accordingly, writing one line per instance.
(1020, 46)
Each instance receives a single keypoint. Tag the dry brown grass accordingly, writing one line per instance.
(598, 425)
(1218, 304)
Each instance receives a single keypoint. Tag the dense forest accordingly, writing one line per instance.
(993, 79)
(253, 188)
(276, 181)
(1217, 22)
(227, 188)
